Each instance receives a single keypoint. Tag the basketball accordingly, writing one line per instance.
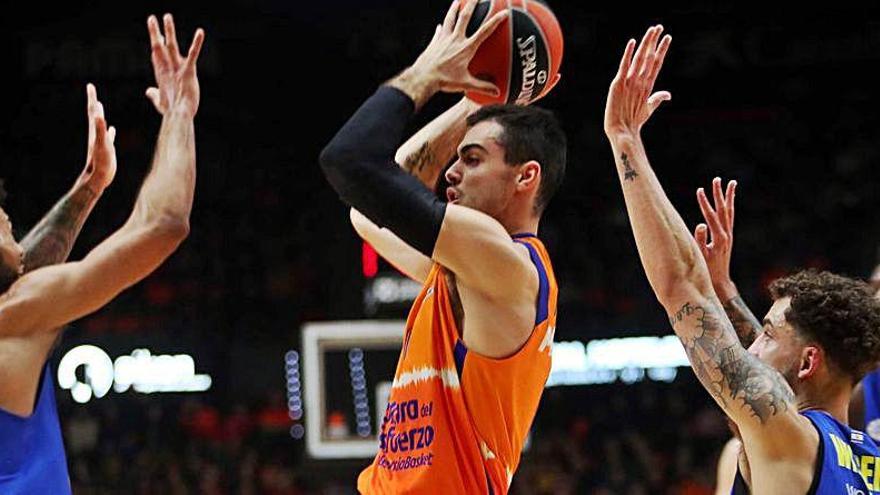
(522, 57)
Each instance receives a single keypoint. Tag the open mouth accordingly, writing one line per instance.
(452, 195)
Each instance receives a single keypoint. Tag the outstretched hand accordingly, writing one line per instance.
(177, 85)
(101, 153)
(630, 99)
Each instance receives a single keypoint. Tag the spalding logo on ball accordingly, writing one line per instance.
(522, 56)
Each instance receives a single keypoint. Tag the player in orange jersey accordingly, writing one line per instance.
(477, 342)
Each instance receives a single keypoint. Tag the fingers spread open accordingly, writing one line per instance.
(195, 49)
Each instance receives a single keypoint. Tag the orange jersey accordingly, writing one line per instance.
(456, 421)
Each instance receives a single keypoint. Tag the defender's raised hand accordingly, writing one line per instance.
(630, 100)
(101, 155)
(177, 85)
(719, 224)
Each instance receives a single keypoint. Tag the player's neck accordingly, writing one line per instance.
(521, 224)
(831, 399)
(519, 217)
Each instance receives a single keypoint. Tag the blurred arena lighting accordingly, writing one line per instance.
(359, 391)
(627, 360)
(606, 361)
(98, 373)
(297, 431)
(387, 290)
(350, 336)
(369, 260)
(294, 388)
(141, 371)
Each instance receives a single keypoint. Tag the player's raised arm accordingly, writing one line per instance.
(50, 297)
(717, 251)
(424, 155)
(52, 239)
(752, 393)
(359, 164)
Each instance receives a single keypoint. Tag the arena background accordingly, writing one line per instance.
(782, 99)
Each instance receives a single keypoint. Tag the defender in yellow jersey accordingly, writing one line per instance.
(787, 394)
(476, 351)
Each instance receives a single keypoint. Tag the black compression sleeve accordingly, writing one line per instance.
(359, 164)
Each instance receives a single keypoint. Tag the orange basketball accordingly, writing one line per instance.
(522, 57)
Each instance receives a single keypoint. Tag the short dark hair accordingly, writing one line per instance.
(2, 191)
(839, 313)
(530, 133)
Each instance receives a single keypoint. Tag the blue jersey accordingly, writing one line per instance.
(871, 388)
(849, 460)
(32, 459)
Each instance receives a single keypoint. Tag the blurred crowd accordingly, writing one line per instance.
(646, 438)
(271, 247)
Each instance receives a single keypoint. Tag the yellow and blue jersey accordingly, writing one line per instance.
(848, 460)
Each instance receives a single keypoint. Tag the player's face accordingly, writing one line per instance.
(480, 178)
(779, 344)
(11, 254)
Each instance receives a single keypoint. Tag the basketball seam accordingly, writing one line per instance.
(540, 30)
(510, 44)
(549, 55)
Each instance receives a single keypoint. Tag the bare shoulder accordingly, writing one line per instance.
(481, 253)
(496, 324)
(26, 301)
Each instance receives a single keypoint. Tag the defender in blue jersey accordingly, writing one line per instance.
(38, 296)
(864, 408)
(788, 393)
(864, 405)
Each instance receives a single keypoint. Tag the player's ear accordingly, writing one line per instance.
(529, 176)
(812, 357)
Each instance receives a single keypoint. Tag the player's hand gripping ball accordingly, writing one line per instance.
(522, 57)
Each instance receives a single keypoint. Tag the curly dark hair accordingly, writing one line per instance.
(839, 313)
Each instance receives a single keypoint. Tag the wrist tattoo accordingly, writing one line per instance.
(629, 173)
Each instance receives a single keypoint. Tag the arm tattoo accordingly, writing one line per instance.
(416, 162)
(732, 376)
(744, 322)
(629, 173)
(51, 241)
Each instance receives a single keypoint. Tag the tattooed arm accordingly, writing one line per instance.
(42, 300)
(752, 394)
(424, 155)
(744, 321)
(428, 151)
(51, 240)
(719, 223)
